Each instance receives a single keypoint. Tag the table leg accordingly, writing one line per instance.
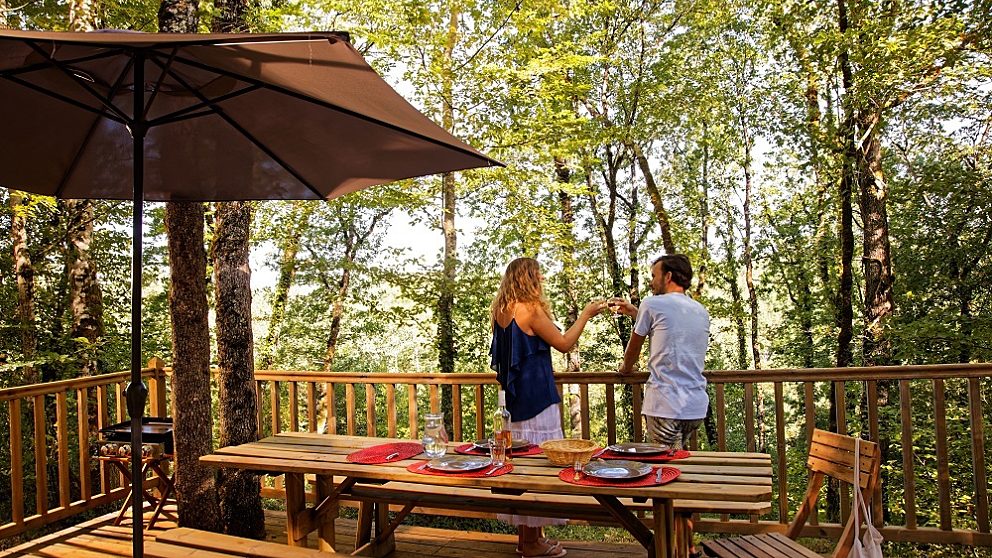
(325, 530)
(629, 521)
(664, 522)
(385, 543)
(363, 534)
(296, 501)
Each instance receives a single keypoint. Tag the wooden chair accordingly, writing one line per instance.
(830, 455)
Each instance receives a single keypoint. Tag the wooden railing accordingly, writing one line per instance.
(935, 484)
(51, 426)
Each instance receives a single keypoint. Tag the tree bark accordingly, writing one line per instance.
(232, 17)
(566, 253)
(660, 213)
(704, 217)
(239, 491)
(24, 271)
(844, 308)
(447, 351)
(86, 297)
(195, 484)
(82, 14)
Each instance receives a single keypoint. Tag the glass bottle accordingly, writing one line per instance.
(435, 437)
(501, 424)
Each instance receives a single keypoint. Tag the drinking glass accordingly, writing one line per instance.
(497, 450)
(435, 437)
(613, 305)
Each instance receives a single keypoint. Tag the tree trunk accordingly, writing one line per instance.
(660, 214)
(336, 314)
(447, 352)
(86, 297)
(752, 294)
(24, 271)
(704, 217)
(290, 245)
(232, 17)
(566, 252)
(239, 491)
(82, 14)
(195, 483)
(844, 309)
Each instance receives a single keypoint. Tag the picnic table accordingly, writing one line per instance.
(709, 477)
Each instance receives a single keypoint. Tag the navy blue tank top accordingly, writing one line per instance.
(523, 369)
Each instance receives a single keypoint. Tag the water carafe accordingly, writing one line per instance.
(435, 437)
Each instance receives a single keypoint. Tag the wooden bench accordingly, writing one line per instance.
(830, 455)
(475, 503)
(193, 543)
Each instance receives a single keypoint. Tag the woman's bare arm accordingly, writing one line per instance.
(533, 318)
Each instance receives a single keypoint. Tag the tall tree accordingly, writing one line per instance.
(85, 294)
(196, 492)
(446, 334)
(24, 271)
(239, 491)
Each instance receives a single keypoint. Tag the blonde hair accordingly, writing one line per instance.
(521, 284)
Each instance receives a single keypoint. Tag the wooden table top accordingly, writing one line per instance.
(716, 476)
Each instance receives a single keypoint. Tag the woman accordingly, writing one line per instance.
(523, 334)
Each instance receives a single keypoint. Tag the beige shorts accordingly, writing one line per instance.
(671, 432)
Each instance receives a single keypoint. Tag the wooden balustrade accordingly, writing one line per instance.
(51, 427)
(768, 410)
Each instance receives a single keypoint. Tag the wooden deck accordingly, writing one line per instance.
(99, 538)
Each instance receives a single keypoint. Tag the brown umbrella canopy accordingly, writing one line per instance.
(229, 117)
(221, 117)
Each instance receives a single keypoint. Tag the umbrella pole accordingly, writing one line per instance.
(136, 391)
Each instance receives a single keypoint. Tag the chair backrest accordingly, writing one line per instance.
(832, 455)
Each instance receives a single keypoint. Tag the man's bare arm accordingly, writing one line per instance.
(632, 353)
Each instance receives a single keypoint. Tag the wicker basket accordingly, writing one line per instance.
(569, 450)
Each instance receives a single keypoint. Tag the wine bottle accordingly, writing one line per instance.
(501, 424)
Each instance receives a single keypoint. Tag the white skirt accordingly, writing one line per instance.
(545, 426)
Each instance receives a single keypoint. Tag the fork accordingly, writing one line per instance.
(492, 470)
(392, 455)
(657, 478)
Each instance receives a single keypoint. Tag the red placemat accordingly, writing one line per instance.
(377, 454)
(660, 458)
(670, 473)
(470, 449)
(421, 468)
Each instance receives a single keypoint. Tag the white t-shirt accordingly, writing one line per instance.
(678, 329)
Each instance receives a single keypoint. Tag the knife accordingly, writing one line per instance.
(392, 455)
(657, 478)
(600, 452)
(493, 470)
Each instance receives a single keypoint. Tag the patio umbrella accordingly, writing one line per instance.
(218, 117)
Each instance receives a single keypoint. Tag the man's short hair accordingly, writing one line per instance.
(680, 268)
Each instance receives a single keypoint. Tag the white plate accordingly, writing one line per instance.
(634, 448)
(459, 463)
(517, 444)
(616, 469)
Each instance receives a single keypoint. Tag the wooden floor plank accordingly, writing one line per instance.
(99, 538)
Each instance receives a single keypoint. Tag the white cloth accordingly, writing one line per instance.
(871, 545)
(543, 427)
(678, 329)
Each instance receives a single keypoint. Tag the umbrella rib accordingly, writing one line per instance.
(182, 114)
(72, 77)
(234, 124)
(63, 98)
(44, 65)
(331, 106)
(91, 40)
(89, 135)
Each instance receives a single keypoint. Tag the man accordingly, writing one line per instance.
(675, 398)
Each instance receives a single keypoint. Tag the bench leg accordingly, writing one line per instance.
(325, 531)
(296, 501)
